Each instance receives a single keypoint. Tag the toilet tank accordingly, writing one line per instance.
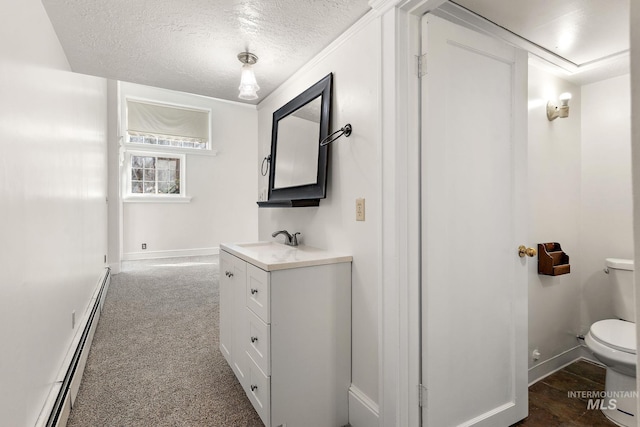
(621, 281)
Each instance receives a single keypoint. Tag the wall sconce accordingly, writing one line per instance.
(553, 111)
(248, 84)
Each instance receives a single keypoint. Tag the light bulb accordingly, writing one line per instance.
(564, 98)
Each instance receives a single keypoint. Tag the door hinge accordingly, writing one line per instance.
(422, 65)
(422, 396)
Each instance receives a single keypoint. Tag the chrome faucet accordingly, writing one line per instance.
(289, 239)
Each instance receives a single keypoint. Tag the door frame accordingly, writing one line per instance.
(399, 288)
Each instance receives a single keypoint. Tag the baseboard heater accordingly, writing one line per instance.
(59, 410)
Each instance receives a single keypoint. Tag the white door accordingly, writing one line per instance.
(474, 284)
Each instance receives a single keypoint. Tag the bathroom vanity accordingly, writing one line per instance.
(285, 330)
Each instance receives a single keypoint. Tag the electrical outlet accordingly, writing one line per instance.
(73, 319)
(360, 209)
(144, 246)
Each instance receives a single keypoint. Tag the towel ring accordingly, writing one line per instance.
(267, 159)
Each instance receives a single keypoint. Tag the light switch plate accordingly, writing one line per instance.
(359, 209)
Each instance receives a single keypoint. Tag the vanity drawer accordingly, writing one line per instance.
(258, 292)
(258, 341)
(259, 392)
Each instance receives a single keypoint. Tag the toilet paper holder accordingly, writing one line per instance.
(552, 260)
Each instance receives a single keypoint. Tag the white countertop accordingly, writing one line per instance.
(272, 256)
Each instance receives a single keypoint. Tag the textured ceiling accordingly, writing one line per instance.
(192, 45)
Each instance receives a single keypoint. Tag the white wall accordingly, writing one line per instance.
(606, 209)
(52, 204)
(354, 171)
(554, 204)
(223, 206)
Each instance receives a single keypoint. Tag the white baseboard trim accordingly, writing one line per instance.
(177, 253)
(556, 363)
(64, 390)
(363, 411)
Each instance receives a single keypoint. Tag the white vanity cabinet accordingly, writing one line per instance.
(285, 329)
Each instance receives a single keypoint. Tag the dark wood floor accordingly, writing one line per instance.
(550, 405)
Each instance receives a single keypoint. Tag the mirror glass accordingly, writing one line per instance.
(297, 152)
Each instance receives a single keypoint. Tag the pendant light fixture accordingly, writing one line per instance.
(248, 84)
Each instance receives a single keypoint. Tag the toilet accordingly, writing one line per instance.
(613, 342)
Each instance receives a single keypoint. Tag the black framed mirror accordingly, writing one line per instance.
(298, 170)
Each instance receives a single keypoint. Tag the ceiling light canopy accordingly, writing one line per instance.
(248, 84)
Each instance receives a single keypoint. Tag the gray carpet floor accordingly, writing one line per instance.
(155, 360)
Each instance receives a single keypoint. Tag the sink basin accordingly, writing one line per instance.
(272, 255)
(259, 245)
(272, 251)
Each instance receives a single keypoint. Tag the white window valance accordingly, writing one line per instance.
(172, 122)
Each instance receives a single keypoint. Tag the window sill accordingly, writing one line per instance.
(156, 199)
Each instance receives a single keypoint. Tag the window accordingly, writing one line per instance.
(167, 125)
(155, 176)
(166, 141)
(157, 139)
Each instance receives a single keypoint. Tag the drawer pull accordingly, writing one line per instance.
(254, 387)
(254, 339)
(254, 291)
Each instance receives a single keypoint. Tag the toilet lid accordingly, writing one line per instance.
(616, 333)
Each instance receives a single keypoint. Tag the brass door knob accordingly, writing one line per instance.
(523, 250)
